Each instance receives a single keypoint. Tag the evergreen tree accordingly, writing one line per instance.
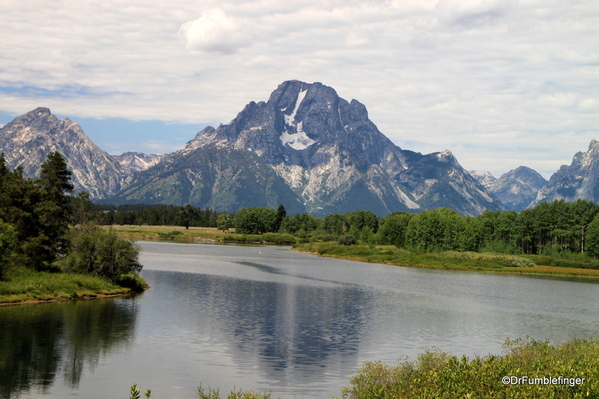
(281, 213)
(52, 209)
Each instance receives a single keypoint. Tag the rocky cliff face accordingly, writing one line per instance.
(579, 180)
(27, 140)
(334, 158)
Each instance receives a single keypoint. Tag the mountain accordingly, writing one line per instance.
(579, 180)
(517, 188)
(485, 179)
(324, 149)
(215, 176)
(28, 139)
(132, 162)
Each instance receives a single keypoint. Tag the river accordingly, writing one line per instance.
(267, 318)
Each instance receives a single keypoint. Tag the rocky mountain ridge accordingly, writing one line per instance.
(304, 147)
(579, 180)
(332, 157)
(516, 189)
(29, 138)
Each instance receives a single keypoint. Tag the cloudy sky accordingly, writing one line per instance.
(501, 83)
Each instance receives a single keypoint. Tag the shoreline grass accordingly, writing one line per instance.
(208, 235)
(459, 261)
(27, 286)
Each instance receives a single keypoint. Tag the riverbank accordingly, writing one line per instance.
(28, 287)
(462, 261)
(207, 235)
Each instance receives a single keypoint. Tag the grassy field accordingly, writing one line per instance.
(196, 234)
(467, 261)
(27, 286)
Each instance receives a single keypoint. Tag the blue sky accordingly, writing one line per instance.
(500, 83)
(118, 135)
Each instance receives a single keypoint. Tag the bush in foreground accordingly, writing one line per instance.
(437, 374)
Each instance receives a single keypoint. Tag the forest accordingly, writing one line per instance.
(43, 229)
(557, 228)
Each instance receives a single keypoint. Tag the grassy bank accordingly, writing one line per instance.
(198, 234)
(467, 261)
(28, 286)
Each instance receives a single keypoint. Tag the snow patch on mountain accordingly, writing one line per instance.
(297, 140)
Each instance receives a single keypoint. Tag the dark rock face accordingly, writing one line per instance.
(28, 139)
(580, 180)
(517, 188)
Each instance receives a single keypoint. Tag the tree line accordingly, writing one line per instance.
(44, 228)
(548, 228)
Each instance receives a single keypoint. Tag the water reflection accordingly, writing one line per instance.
(39, 342)
(292, 332)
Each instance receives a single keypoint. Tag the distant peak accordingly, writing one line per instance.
(39, 112)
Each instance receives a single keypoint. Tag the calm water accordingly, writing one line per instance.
(267, 318)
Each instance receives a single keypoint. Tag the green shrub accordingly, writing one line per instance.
(437, 374)
(131, 281)
(347, 240)
(99, 252)
(134, 393)
(278, 238)
(171, 235)
(329, 237)
(500, 259)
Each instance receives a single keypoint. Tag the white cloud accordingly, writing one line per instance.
(215, 31)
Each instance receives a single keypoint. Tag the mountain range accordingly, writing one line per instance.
(305, 148)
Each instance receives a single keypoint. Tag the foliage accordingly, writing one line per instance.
(131, 281)
(255, 220)
(171, 235)
(23, 284)
(347, 240)
(500, 259)
(37, 211)
(224, 222)
(276, 238)
(556, 229)
(437, 374)
(362, 219)
(8, 243)
(99, 252)
(211, 394)
(158, 215)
